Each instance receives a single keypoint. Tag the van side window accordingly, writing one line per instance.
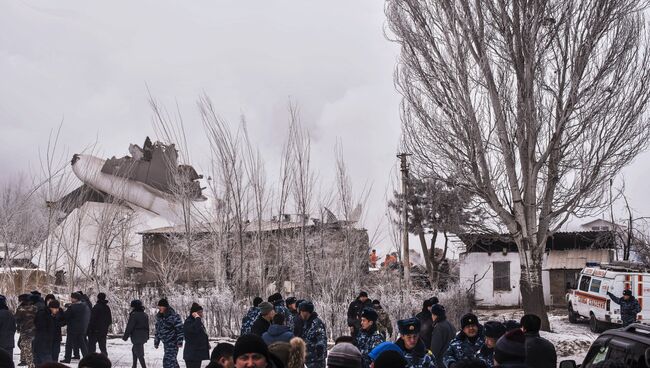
(595, 285)
(584, 283)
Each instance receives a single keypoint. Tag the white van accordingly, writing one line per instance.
(589, 299)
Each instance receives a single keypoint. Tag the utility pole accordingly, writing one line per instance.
(406, 262)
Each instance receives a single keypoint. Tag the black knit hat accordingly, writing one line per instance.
(75, 296)
(363, 294)
(136, 304)
(274, 298)
(511, 347)
(163, 303)
(511, 324)
(306, 306)
(344, 355)
(390, 359)
(468, 319)
(195, 308)
(494, 329)
(101, 296)
(410, 326)
(247, 344)
(223, 349)
(376, 302)
(369, 314)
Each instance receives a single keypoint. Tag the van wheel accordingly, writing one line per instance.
(594, 325)
(573, 316)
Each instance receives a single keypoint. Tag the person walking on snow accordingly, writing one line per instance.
(629, 306)
(169, 331)
(137, 328)
(100, 319)
(197, 347)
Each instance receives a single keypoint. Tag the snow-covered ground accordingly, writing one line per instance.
(571, 340)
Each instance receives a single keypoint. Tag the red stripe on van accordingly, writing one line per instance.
(590, 296)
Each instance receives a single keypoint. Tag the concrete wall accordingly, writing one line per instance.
(475, 266)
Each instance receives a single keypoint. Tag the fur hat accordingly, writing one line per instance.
(627, 292)
(136, 303)
(265, 308)
(410, 326)
(306, 306)
(257, 300)
(274, 298)
(163, 303)
(390, 359)
(511, 324)
(439, 311)
(511, 347)
(344, 355)
(195, 308)
(54, 304)
(291, 300)
(468, 319)
(250, 344)
(369, 314)
(494, 329)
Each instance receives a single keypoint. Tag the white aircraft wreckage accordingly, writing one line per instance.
(119, 197)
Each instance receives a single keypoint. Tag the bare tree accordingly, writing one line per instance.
(531, 105)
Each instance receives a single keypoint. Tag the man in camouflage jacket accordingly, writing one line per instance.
(250, 317)
(467, 342)
(415, 352)
(384, 324)
(368, 337)
(25, 316)
(169, 330)
(314, 335)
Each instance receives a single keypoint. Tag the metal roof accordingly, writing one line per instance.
(575, 259)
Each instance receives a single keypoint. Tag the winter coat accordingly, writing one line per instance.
(277, 333)
(486, 355)
(137, 328)
(365, 341)
(418, 357)
(462, 347)
(540, 353)
(384, 325)
(315, 337)
(59, 321)
(25, 314)
(248, 320)
(442, 332)
(169, 328)
(260, 326)
(77, 317)
(293, 317)
(45, 331)
(280, 308)
(629, 308)
(354, 312)
(7, 328)
(100, 319)
(197, 347)
(425, 326)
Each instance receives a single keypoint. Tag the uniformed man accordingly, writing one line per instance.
(415, 352)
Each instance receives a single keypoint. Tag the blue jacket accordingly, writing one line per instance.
(277, 333)
(462, 347)
(169, 328)
(629, 308)
(418, 357)
(486, 355)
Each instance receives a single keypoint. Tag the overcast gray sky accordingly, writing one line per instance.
(89, 63)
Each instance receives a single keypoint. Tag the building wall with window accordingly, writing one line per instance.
(494, 278)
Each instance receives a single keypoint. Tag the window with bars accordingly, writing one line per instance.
(501, 277)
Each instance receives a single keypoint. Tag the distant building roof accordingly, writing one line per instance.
(211, 227)
(557, 241)
(575, 259)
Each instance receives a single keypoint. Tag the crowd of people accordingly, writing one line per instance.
(276, 333)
